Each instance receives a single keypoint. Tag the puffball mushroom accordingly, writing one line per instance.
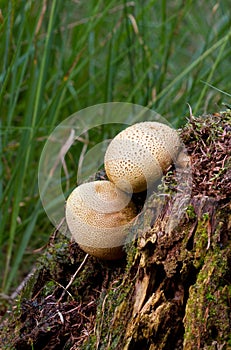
(139, 155)
(98, 215)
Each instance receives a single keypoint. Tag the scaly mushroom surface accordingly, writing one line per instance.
(98, 215)
(139, 155)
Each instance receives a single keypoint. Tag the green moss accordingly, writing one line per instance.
(207, 311)
(49, 288)
(190, 211)
(56, 254)
(131, 251)
(201, 241)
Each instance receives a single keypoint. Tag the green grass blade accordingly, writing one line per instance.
(26, 147)
(217, 61)
(189, 68)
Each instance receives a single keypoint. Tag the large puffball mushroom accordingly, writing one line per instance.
(139, 155)
(98, 216)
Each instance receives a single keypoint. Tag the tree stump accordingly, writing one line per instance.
(172, 291)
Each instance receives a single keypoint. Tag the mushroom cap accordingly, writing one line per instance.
(98, 215)
(139, 155)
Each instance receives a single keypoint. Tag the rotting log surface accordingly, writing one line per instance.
(171, 292)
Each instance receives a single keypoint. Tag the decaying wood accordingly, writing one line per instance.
(172, 291)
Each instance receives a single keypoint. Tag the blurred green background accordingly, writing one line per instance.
(58, 57)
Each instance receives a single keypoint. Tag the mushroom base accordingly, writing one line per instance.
(113, 253)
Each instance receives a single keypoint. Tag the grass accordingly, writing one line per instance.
(60, 57)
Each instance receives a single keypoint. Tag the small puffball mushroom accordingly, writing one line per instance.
(98, 216)
(139, 155)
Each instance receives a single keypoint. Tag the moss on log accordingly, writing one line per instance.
(172, 291)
